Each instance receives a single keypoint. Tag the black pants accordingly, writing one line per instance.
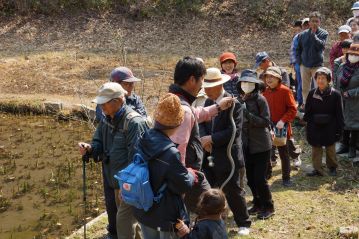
(256, 169)
(346, 137)
(234, 194)
(354, 134)
(284, 160)
(110, 203)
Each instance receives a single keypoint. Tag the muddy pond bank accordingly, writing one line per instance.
(41, 177)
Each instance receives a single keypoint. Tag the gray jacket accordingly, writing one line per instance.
(351, 104)
(256, 135)
(115, 145)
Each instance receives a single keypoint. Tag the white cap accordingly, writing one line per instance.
(344, 28)
(109, 91)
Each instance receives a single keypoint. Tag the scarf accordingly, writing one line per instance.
(348, 71)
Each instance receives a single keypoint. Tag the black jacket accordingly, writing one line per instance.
(208, 229)
(324, 117)
(166, 168)
(256, 135)
(221, 135)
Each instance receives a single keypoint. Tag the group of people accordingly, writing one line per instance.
(202, 150)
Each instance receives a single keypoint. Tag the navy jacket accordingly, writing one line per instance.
(167, 168)
(208, 229)
(133, 101)
(311, 47)
(221, 130)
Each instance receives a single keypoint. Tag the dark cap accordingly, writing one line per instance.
(249, 75)
(122, 74)
(260, 57)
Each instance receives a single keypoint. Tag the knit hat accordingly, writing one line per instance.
(274, 71)
(227, 56)
(109, 91)
(325, 71)
(169, 113)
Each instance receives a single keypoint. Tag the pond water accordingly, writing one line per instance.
(41, 177)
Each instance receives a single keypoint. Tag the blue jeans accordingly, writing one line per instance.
(299, 84)
(150, 233)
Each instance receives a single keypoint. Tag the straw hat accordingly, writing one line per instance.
(214, 77)
(169, 113)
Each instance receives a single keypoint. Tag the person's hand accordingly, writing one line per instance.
(226, 102)
(280, 124)
(345, 94)
(182, 228)
(84, 148)
(205, 140)
(208, 148)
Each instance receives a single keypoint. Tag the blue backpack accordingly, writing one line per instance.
(134, 182)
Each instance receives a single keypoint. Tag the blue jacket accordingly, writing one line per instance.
(133, 101)
(311, 47)
(293, 50)
(166, 168)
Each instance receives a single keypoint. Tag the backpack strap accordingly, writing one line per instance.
(162, 189)
(129, 117)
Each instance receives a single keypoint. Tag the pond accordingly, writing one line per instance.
(41, 177)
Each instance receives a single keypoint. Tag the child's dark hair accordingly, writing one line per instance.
(297, 23)
(346, 43)
(212, 202)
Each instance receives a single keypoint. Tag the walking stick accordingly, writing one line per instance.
(85, 159)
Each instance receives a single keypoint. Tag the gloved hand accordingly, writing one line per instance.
(280, 124)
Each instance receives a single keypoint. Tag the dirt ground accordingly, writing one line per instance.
(67, 58)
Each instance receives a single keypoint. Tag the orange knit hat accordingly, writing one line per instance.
(169, 113)
(227, 56)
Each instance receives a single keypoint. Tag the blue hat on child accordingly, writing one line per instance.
(260, 57)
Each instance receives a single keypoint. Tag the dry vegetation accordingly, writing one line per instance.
(68, 56)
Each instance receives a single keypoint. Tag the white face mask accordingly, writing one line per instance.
(355, 13)
(353, 58)
(248, 87)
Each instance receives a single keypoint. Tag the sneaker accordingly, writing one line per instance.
(333, 172)
(264, 215)
(243, 231)
(314, 173)
(253, 210)
(342, 149)
(287, 183)
(297, 162)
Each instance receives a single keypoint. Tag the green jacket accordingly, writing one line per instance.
(114, 145)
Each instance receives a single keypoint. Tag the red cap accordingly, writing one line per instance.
(227, 56)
